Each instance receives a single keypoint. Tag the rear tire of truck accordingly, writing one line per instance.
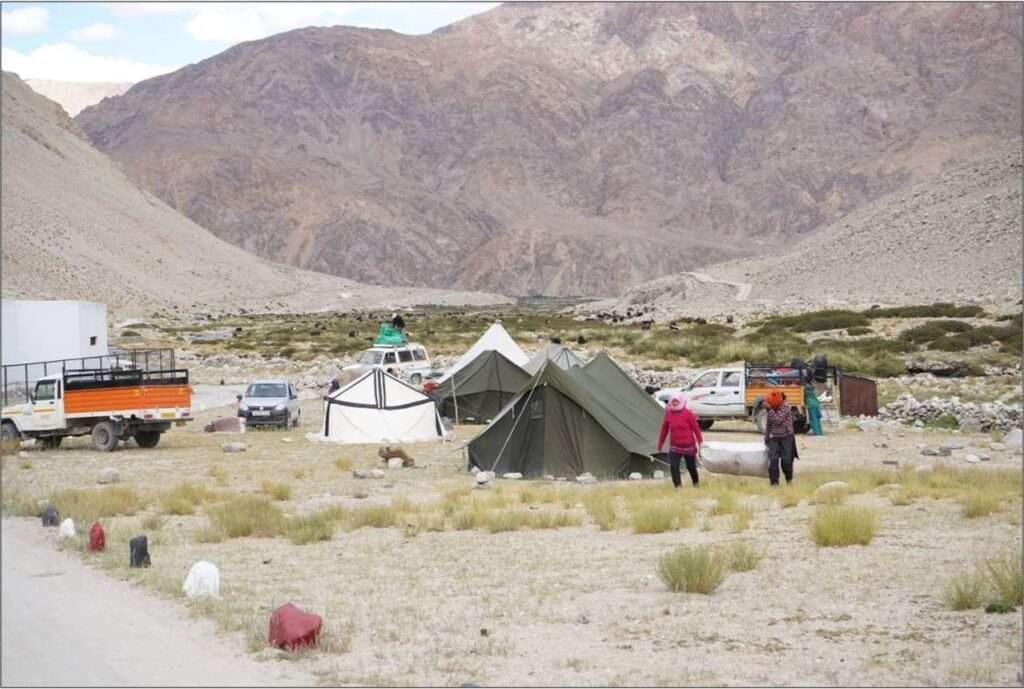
(415, 379)
(51, 443)
(147, 439)
(104, 437)
(9, 437)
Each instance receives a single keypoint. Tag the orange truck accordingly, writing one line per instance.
(108, 404)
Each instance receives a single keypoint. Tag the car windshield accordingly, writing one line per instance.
(267, 390)
(370, 358)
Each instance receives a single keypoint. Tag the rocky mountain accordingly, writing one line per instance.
(75, 227)
(74, 96)
(955, 238)
(568, 148)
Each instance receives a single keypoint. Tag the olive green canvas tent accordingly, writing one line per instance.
(480, 389)
(556, 353)
(566, 422)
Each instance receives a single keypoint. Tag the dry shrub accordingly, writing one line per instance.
(183, 498)
(843, 525)
(979, 504)
(19, 504)
(741, 519)
(277, 491)
(343, 464)
(789, 498)
(900, 498)
(219, 475)
(726, 503)
(833, 495)
(153, 522)
(600, 506)
(403, 504)
(247, 515)
(696, 569)
(742, 557)
(374, 516)
(660, 516)
(416, 524)
(1006, 579)
(318, 526)
(964, 591)
(86, 505)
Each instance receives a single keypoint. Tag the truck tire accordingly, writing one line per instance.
(415, 379)
(104, 436)
(147, 439)
(52, 442)
(705, 424)
(761, 419)
(9, 436)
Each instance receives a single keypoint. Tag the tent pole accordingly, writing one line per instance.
(455, 400)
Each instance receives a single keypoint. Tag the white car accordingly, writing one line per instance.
(270, 403)
(714, 394)
(408, 361)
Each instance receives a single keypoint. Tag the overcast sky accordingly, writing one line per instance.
(135, 41)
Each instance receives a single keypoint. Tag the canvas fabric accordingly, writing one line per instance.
(481, 389)
(378, 407)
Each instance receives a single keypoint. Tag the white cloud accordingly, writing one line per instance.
(66, 62)
(94, 32)
(232, 23)
(25, 22)
(134, 9)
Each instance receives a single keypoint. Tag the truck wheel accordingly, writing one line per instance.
(147, 438)
(761, 419)
(415, 379)
(705, 424)
(52, 442)
(9, 437)
(104, 436)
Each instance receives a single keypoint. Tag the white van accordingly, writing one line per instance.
(407, 361)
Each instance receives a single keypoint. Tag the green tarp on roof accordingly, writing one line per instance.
(569, 421)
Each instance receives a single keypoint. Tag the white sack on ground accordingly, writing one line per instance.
(67, 528)
(737, 459)
(202, 580)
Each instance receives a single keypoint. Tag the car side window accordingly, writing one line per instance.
(46, 390)
(731, 379)
(389, 358)
(404, 356)
(708, 380)
(419, 355)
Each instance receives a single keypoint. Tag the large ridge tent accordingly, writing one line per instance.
(566, 422)
(560, 355)
(484, 379)
(377, 407)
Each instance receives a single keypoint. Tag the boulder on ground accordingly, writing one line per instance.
(234, 447)
(586, 478)
(360, 473)
(831, 492)
(513, 475)
(376, 473)
(108, 475)
(972, 459)
(67, 528)
(291, 627)
(635, 476)
(482, 477)
(202, 580)
(1014, 438)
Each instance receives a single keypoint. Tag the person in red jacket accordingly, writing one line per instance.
(680, 425)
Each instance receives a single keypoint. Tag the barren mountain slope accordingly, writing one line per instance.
(954, 238)
(73, 96)
(571, 148)
(75, 227)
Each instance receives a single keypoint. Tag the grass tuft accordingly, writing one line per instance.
(277, 491)
(1006, 579)
(661, 516)
(964, 591)
(600, 506)
(86, 505)
(696, 569)
(309, 528)
(183, 498)
(979, 504)
(247, 515)
(742, 557)
(843, 525)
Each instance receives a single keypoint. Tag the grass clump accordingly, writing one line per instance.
(309, 528)
(153, 522)
(1006, 579)
(218, 474)
(343, 464)
(936, 310)
(374, 516)
(843, 525)
(944, 421)
(964, 591)
(87, 505)
(932, 330)
(742, 557)
(247, 515)
(183, 498)
(277, 491)
(660, 516)
(600, 506)
(741, 519)
(979, 504)
(697, 569)
(726, 503)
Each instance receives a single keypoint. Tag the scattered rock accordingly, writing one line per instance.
(108, 475)
(474, 470)
(997, 446)
(512, 475)
(985, 456)
(954, 444)
(586, 478)
(67, 528)
(659, 474)
(360, 473)
(635, 476)
(202, 580)
(936, 452)
(891, 462)
(561, 478)
(234, 447)
(972, 459)
(376, 473)
(869, 425)
(395, 463)
(286, 440)
(1014, 439)
(483, 478)
(549, 477)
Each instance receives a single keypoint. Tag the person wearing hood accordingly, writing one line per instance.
(683, 432)
(779, 437)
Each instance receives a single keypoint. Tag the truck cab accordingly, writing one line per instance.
(45, 409)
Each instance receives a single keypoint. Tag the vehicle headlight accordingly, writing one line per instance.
(281, 407)
(242, 406)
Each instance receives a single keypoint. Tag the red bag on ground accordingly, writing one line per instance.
(97, 540)
(290, 627)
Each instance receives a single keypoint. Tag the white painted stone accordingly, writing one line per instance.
(512, 475)
(635, 476)
(202, 580)
(108, 475)
(67, 528)
(395, 463)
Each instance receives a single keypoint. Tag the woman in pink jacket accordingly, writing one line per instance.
(680, 425)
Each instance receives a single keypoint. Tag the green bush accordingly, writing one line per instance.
(932, 330)
(944, 421)
(858, 330)
(247, 515)
(742, 557)
(842, 526)
(318, 526)
(815, 321)
(692, 570)
(936, 310)
(964, 591)
(1006, 579)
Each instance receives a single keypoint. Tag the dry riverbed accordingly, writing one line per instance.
(424, 602)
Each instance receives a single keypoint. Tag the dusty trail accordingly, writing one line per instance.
(67, 625)
(742, 288)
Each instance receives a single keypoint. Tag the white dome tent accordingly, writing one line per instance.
(376, 408)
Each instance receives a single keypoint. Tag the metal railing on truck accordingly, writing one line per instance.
(17, 380)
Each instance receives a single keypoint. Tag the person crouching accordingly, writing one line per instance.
(680, 425)
(778, 437)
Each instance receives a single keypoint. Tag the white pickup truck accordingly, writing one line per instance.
(738, 393)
